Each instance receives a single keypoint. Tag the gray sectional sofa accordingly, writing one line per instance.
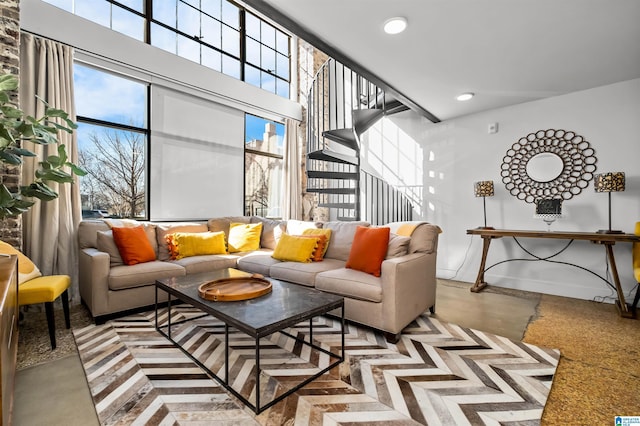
(405, 289)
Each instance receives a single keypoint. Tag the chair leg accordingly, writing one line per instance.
(635, 300)
(65, 308)
(51, 323)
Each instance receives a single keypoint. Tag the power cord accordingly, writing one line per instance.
(463, 260)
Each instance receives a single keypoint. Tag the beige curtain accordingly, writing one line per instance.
(46, 70)
(292, 191)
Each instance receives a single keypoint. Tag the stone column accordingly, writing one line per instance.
(310, 60)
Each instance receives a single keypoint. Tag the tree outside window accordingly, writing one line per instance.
(112, 143)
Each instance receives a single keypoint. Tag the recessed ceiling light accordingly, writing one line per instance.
(395, 25)
(465, 96)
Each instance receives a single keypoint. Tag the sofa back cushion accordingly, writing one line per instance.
(164, 229)
(424, 236)
(88, 233)
(223, 223)
(398, 246)
(271, 231)
(297, 227)
(342, 234)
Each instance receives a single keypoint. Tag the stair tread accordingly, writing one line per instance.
(332, 156)
(332, 190)
(332, 175)
(344, 137)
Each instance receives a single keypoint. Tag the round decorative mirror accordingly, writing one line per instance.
(548, 164)
(544, 167)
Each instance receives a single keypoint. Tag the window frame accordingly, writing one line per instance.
(265, 75)
(257, 152)
(81, 119)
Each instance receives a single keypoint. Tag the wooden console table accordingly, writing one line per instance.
(607, 240)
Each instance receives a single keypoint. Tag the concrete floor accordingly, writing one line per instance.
(497, 311)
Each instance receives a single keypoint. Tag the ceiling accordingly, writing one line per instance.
(505, 51)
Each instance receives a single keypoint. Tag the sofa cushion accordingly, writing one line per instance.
(87, 232)
(223, 223)
(341, 238)
(323, 243)
(303, 273)
(368, 249)
(133, 245)
(244, 237)
(351, 283)
(206, 263)
(398, 246)
(187, 244)
(295, 248)
(271, 231)
(142, 274)
(424, 236)
(297, 227)
(105, 243)
(163, 229)
(257, 262)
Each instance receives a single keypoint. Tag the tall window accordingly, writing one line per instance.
(112, 133)
(264, 140)
(267, 58)
(215, 33)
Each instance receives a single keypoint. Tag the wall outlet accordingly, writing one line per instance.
(493, 128)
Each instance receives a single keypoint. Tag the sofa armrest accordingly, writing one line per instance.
(408, 288)
(94, 266)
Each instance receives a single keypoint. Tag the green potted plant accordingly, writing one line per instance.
(15, 128)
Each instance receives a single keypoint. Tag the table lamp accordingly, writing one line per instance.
(609, 182)
(484, 188)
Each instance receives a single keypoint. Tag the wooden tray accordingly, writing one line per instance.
(235, 288)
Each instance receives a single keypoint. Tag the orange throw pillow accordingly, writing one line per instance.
(133, 245)
(369, 249)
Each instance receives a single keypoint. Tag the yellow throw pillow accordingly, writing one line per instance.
(295, 249)
(244, 236)
(187, 244)
(319, 231)
(27, 270)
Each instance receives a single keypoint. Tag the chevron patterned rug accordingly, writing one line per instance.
(437, 374)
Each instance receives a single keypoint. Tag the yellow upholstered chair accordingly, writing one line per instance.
(34, 288)
(635, 256)
(46, 290)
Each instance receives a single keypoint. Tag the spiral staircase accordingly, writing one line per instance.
(342, 106)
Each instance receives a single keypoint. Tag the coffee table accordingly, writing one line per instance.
(287, 305)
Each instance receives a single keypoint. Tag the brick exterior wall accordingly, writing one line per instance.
(10, 229)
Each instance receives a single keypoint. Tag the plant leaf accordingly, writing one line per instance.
(8, 82)
(20, 151)
(10, 158)
(77, 170)
(56, 175)
(39, 190)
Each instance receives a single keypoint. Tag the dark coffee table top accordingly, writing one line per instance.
(286, 305)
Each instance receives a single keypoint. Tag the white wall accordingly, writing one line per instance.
(458, 152)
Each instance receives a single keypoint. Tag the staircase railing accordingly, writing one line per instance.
(342, 105)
